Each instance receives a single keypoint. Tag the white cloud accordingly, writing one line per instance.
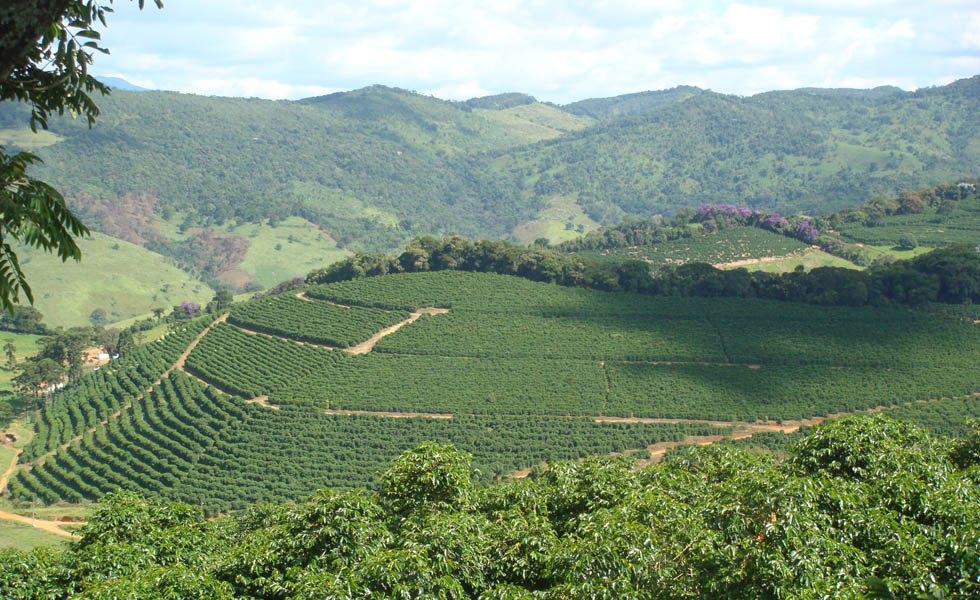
(558, 51)
(252, 87)
(459, 91)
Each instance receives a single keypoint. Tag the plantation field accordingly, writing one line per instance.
(515, 372)
(928, 228)
(727, 245)
(316, 322)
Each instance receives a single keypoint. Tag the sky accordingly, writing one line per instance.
(556, 50)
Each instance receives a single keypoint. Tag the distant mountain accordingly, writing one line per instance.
(118, 83)
(812, 151)
(376, 166)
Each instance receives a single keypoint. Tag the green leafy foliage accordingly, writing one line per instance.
(862, 508)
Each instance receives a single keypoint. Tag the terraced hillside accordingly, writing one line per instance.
(292, 393)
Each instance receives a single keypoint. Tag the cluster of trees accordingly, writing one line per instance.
(858, 508)
(23, 319)
(62, 356)
(950, 275)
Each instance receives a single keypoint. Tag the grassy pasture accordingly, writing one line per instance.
(811, 258)
(560, 220)
(26, 345)
(293, 247)
(121, 278)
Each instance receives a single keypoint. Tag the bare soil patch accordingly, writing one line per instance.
(49, 526)
(10, 468)
(754, 261)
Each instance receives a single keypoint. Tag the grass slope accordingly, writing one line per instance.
(562, 219)
(293, 247)
(25, 344)
(116, 276)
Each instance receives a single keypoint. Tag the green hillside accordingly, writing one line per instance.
(809, 151)
(321, 390)
(608, 109)
(116, 276)
(376, 166)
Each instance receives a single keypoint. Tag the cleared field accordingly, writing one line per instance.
(24, 537)
(25, 345)
(291, 248)
(563, 219)
(811, 258)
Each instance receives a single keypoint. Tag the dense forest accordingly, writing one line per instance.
(861, 508)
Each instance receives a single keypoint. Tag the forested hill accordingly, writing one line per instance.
(376, 166)
(811, 151)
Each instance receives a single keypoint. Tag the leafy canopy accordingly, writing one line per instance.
(45, 51)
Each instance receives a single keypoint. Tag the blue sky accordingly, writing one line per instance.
(559, 51)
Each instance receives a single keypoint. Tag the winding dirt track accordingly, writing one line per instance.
(49, 526)
(368, 345)
(365, 346)
(10, 469)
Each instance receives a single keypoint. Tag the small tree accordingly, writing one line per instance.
(907, 242)
(98, 317)
(429, 477)
(9, 349)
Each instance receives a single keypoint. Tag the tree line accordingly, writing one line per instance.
(947, 275)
